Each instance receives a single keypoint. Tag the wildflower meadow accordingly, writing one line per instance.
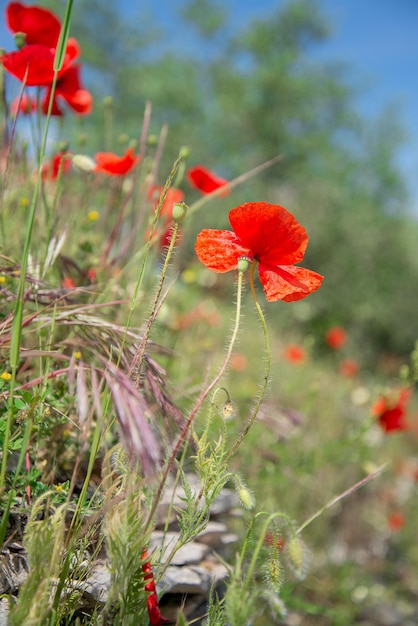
(208, 411)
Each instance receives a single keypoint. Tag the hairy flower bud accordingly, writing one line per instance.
(246, 498)
(228, 410)
(179, 211)
(298, 556)
(274, 573)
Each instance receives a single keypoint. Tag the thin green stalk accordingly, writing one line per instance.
(148, 246)
(140, 353)
(198, 404)
(266, 372)
(218, 193)
(337, 499)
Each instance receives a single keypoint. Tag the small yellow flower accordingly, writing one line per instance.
(93, 216)
(77, 354)
(59, 488)
(2, 280)
(189, 276)
(6, 376)
(24, 202)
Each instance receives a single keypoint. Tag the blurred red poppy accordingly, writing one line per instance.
(50, 170)
(173, 195)
(349, 368)
(39, 25)
(336, 337)
(205, 180)
(164, 232)
(34, 64)
(68, 282)
(69, 89)
(114, 165)
(294, 353)
(266, 233)
(391, 409)
(396, 521)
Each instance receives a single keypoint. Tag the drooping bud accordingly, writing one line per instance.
(179, 211)
(228, 410)
(298, 556)
(246, 497)
(83, 163)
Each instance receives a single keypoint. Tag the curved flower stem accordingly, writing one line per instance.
(266, 372)
(197, 406)
(261, 539)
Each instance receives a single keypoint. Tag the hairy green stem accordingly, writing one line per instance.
(266, 373)
(198, 404)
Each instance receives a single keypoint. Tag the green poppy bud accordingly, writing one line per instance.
(298, 556)
(243, 264)
(246, 498)
(179, 211)
(20, 40)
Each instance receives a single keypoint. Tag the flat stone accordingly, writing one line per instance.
(212, 535)
(189, 554)
(194, 580)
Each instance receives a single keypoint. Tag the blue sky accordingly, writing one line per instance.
(378, 39)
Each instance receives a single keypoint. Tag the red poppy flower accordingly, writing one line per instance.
(294, 353)
(35, 63)
(114, 165)
(336, 337)
(205, 180)
(50, 170)
(390, 411)
(266, 233)
(68, 87)
(39, 25)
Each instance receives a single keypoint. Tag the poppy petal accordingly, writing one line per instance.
(220, 250)
(272, 233)
(35, 62)
(205, 180)
(39, 25)
(288, 283)
(113, 165)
